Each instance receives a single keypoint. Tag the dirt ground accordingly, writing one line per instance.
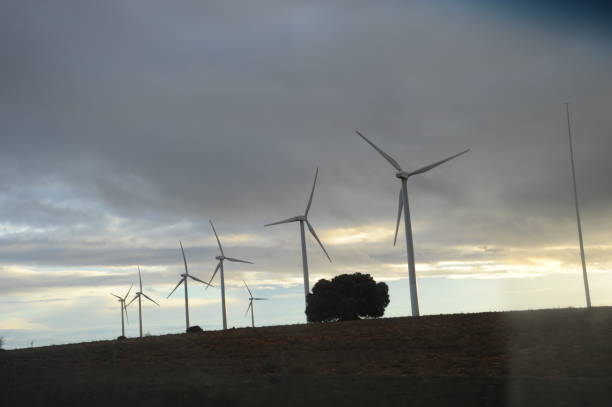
(529, 358)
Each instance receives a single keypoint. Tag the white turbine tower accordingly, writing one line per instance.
(221, 258)
(123, 308)
(304, 219)
(582, 257)
(138, 295)
(403, 203)
(183, 280)
(251, 299)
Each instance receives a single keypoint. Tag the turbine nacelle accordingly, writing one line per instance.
(220, 258)
(402, 175)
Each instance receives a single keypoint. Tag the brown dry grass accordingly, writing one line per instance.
(548, 357)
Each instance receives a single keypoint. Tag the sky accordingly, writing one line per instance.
(127, 125)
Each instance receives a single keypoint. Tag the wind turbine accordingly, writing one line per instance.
(221, 258)
(123, 308)
(184, 280)
(582, 257)
(304, 219)
(403, 203)
(251, 299)
(138, 295)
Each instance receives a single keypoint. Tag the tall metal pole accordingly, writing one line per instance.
(252, 316)
(582, 257)
(414, 300)
(140, 315)
(304, 262)
(186, 305)
(223, 297)
(122, 324)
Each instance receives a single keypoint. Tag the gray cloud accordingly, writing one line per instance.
(162, 116)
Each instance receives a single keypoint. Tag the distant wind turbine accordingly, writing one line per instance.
(251, 299)
(183, 280)
(221, 258)
(138, 295)
(123, 309)
(403, 203)
(582, 257)
(304, 219)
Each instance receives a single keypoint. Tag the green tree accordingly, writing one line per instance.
(347, 297)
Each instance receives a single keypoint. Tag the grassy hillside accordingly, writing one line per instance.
(548, 357)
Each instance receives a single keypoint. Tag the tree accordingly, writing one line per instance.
(347, 297)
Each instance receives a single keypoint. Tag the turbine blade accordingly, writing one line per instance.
(184, 259)
(387, 156)
(247, 287)
(115, 295)
(140, 278)
(314, 234)
(128, 293)
(197, 279)
(430, 166)
(294, 219)
(136, 296)
(238, 260)
(177, 286)
(399, 215)
(248, 308)
(214, 274)
(126, 313)
(261, 298)
(312, 192)
(217, 236)
(150, 299)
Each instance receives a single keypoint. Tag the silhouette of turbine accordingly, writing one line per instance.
(183, 280)
(219, 267)
(304, 219)
(123, 308)
(251, 299)
(403, 204)
(138, 295)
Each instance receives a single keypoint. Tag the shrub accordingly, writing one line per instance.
(347, 297)
(194, 329)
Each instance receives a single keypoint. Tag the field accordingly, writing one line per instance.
(529, 358)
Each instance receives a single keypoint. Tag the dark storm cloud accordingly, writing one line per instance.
(580, 15)
(164, 114)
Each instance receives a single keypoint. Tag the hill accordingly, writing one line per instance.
(527, 358)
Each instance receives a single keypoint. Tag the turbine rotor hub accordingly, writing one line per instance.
(220, 257)
(402, 175)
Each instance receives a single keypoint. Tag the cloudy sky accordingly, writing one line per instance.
(127, 125)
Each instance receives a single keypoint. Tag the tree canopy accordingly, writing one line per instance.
(347, 297)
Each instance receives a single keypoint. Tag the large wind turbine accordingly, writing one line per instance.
(183, 280)
(123, 308)
(582, 257)
(403, 203)
(221, 258)
(304, 219)
(251, 299)
(138, 295)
